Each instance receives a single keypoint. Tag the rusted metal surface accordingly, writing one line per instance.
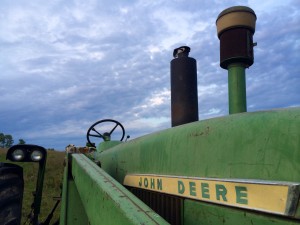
(184, 94)
(236, 46)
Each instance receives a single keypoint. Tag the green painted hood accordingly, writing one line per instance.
(258, 145)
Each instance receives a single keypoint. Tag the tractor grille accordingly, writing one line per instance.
(167, 206)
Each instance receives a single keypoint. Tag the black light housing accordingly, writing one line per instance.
(31, 153)
(26, 153)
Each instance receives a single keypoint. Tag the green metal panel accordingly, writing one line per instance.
(261, 146)
(76, 214)
(200, 213)
(72, 210)
(107, 145)
(106, 201)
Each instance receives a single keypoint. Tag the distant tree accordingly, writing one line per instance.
(8, 140)
(21, 142)
(2, 140)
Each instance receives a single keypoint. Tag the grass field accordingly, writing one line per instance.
(52, 184)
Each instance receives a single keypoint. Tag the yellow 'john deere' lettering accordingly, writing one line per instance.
(276, 197)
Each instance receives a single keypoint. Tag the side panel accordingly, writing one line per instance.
(72, 210)
(76, 214)
(104, 200)
(202, 213)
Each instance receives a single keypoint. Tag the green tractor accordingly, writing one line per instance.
(243, 168)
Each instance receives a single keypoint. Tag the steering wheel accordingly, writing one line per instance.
(93, 132)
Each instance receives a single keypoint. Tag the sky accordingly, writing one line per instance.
(65, 64)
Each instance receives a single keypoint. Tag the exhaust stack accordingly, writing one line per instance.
(184, 93)
(235, 27)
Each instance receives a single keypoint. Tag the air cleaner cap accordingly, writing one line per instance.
(236, 16)
(235, 27)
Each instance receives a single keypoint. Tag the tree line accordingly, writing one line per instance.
(6, 140)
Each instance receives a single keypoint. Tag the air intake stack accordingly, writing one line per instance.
(184, 93)
(236, 26)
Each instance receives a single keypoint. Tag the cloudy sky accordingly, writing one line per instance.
(67, 63)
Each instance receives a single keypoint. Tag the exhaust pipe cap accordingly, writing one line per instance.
(182, 51)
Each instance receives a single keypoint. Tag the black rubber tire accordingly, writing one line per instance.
(11, 193)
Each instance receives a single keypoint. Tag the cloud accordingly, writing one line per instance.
(66, 64)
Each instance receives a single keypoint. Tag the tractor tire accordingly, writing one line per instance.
(11, 193)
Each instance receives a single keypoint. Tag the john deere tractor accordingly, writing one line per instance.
(243, 168)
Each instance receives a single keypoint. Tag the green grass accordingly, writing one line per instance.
(52, 184)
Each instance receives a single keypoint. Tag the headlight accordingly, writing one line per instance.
(36, 156)
(18, 155)
(27, 153)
